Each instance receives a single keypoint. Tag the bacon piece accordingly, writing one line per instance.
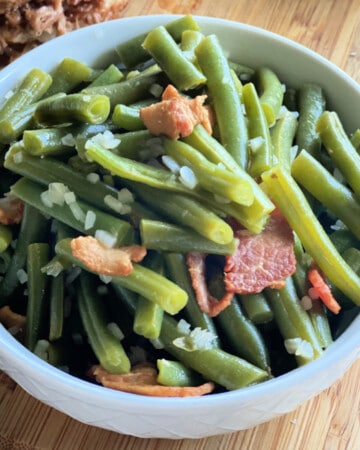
(176, 115)
(208, 304)
(11, 210)
(143, 380)
(261, 260)
(105, 260)
(11, 319)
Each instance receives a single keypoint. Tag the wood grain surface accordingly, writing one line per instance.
(330, 421)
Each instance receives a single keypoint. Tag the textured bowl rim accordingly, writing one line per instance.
(346, 348)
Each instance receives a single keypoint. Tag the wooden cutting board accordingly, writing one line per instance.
(327, 422)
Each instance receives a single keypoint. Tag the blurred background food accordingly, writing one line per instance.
(24, 25)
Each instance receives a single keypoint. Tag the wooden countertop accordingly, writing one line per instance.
(329, 421)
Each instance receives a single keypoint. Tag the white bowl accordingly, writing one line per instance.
(218, 413)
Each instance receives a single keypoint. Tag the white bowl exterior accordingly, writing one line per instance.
(218, 413)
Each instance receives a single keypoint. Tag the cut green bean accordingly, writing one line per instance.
(164, 236)
(311, 104)
(107, 348)
(259, 146)
(6, 236)
(149, 315)
(30, 90)
(56, 322)
(141, 280)
(110, 75)
(178, 272)
(291, 201)
(271, 93)
(125, 92)
(68, 75)
(212, 177)
(127, 117)
(225, 98)
(33, 229)
(173, 373)
(132, 53)
(5, 260)
(340, 148)
(256, 308)
(332, 194)
(355, 140)
(282, 137)
(46, 141)
(37, 256)
(74, 215)
(181, 71)
(190, 39)
(87, 108)
(188, 212)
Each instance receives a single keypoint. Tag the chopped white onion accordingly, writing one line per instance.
(187, 177)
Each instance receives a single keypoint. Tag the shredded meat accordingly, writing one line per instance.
(105, 260)
(143, 380)
(261, 260)
(207, 303)
(24, 25)
(176, 115)
(11, 210)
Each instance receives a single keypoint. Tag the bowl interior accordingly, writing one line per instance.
(249, 45)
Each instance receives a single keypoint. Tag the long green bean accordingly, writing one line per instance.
(271, 93)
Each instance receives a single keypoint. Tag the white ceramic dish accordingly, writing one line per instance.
(218, 413)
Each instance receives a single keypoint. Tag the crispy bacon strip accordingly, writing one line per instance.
(176, 115)
(318, 281)
(208, 304)
(11, 319)
(143, 380)
(104, 260)
(11, 210)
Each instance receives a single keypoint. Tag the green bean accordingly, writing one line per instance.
(188, 212)
(173, 373)
(138, 145)
(37, 256)
(190, 39)
(210, 176)
(213, 363)
(332, 194)
(286, 326)
(127, 117)
(311, 104)
(343, 239)
(282, 136)
(271, 93)
(133, 170)
(355, 140)
(30, 90)
(352, 257)
(5, 260)
(178, 272)
(261, 155)
(181, 72)
(56, 321)
(106, 347)
(164, 236)
(6, 236)
(87, 108)
(68, 75)
(320, 322)
(149, 315)
(225, 98)
(256, 308)
(125, 92)
(243, 336)
(340, 148)
(13, 126)
(252, 217)
(110, 75)
(291, 201)
(132, 53)
(141, 280)
(30, 193)
(46, 141)
(243, 72)
(33, 229)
